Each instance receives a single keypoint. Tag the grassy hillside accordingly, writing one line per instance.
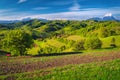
(62, 36)
(107, 41)
(95, 71)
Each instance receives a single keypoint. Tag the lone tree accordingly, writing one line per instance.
(93, 43)
(16, 42)
(79, 45)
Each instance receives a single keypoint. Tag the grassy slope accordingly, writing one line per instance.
(106, 41)
(106, 70)
(75, 38)
(109, 70)
(54, 43)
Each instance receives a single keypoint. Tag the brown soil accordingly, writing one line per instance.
(9, 68)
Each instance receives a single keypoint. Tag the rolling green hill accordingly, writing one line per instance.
(61, 35)
(60, 50)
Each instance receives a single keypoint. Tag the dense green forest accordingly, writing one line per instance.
(37, 37)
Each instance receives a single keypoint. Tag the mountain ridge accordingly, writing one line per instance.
(107, 17)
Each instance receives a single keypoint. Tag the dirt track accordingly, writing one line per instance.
(8, 68)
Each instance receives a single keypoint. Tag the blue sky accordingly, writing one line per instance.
(58, 9)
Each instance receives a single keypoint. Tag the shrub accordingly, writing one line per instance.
(16, 42)
(104, 32)
(93, 43)
(113, 42)
(33, 51)
(79, 45)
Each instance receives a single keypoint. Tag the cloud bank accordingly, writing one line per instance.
(75, 7)
(21, 1)
(82, 14)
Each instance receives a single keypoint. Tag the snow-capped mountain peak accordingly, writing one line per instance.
(108, 14)
(106, 17)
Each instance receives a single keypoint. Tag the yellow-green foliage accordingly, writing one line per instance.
(40, 43)
(16, 42)
(67, 29)
(42, 28)
(69, 50)
(54, 43)
(107, 41)
(75, 38)
(33, 51)
(92, 43)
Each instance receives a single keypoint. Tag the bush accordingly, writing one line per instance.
(16, 42)
(79, 45)
(33, 51)
(113, 43)
(104, 32)
(93, 43)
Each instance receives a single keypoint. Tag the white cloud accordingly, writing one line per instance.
(40, 8)
(108, 14)
(75, 7)
(70, 15)
(5, 10)
(21, 1)
(11, 14)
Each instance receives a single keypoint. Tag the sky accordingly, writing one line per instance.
(58, 9)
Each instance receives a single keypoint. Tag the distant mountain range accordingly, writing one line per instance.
(8, 21)
(106, 17)
(23, 20)
(13, 21)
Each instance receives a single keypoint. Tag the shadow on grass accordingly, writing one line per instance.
(110, 48)
(58, 54)
(3, 52)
